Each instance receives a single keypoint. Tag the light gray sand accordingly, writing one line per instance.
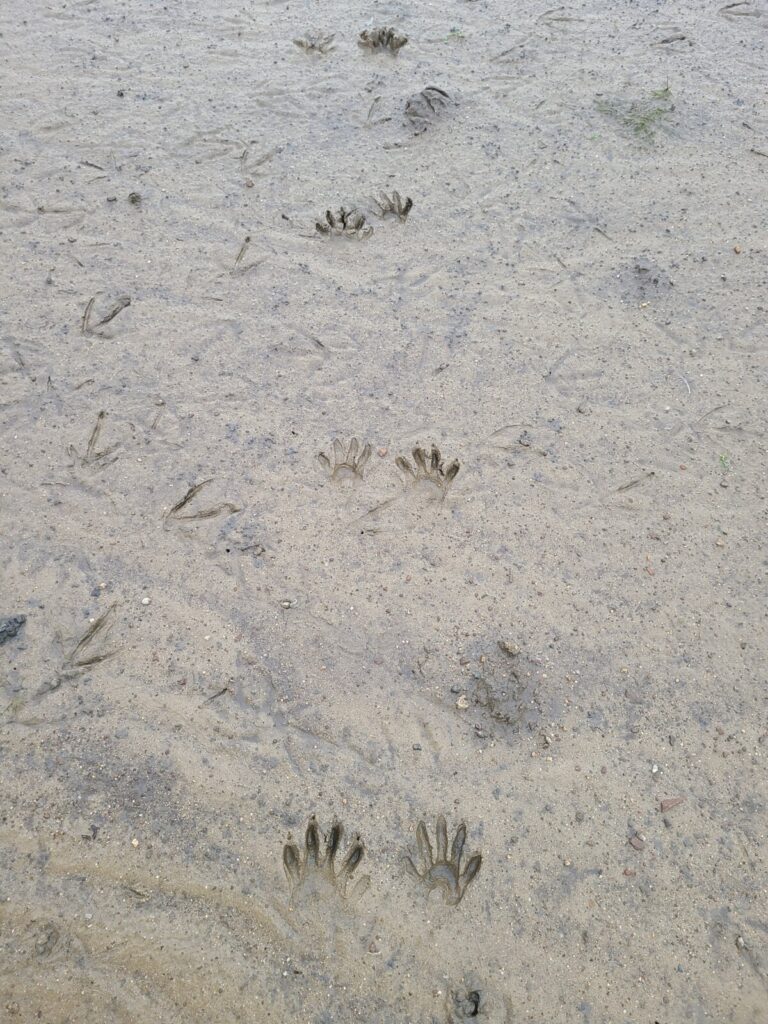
(575, 309)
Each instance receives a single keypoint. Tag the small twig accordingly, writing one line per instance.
(377, 508)
(119, 306)
(215, 696)
(709, 413)
(243, 249)
(87, 315)
(90, 450)
(376, 101)
(678, 37)
(240, 267)
(193, 490)
(635, 482)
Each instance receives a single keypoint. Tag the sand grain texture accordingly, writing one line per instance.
(571, 637)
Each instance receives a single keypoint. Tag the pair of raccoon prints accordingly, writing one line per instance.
(348, 462)
(369, 39)
(353, 223)
(311, 871)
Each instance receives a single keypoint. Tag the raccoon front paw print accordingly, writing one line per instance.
(438, 869)
(313, 875)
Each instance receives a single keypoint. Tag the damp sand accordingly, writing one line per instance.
(563, 647)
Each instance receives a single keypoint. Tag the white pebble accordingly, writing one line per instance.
(145, 600)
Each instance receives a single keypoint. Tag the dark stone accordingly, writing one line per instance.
(10, 627)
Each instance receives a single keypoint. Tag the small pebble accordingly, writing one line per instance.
(462, 703)
(134, 842)
(511, 649)
(145, 600)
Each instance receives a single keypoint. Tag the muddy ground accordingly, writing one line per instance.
(563, 647)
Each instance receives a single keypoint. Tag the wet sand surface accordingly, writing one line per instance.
(564, 647)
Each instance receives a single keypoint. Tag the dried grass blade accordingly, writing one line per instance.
(87, 639)
(191, 493)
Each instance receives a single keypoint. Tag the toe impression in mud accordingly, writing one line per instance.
(312, 874)
(438, 869)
